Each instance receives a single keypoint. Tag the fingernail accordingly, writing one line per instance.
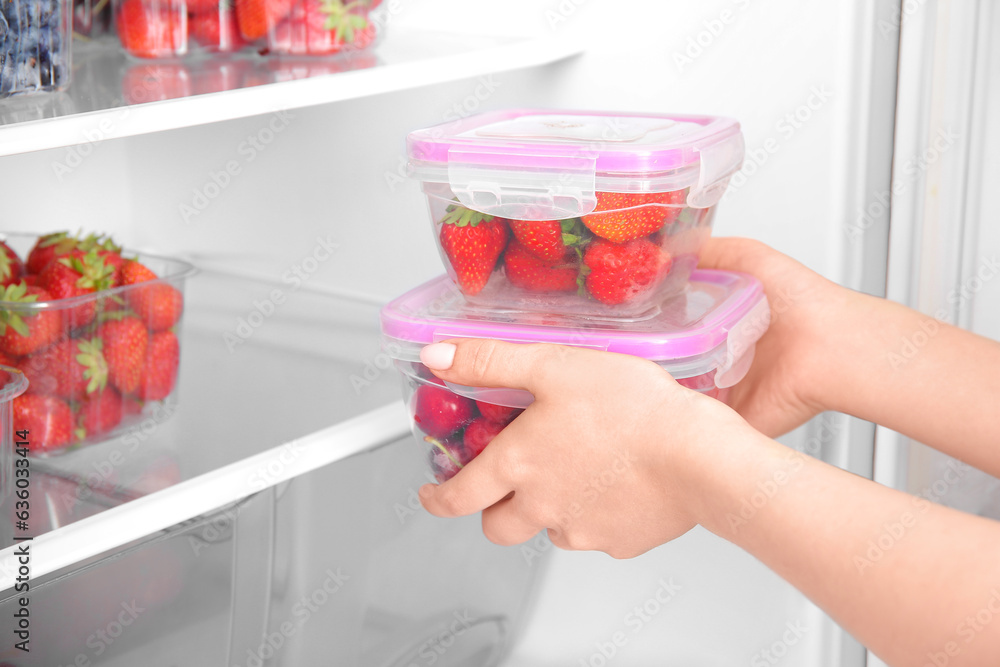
(439, 356)
(426, 491)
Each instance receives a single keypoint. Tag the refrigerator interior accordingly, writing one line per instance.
(813, 85)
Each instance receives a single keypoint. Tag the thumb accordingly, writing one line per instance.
(478, 362)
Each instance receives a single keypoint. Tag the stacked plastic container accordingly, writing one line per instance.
(576, 228)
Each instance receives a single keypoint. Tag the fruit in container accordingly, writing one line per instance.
(621, 217)
(311, 27)
(152, 28)
(99, 347)
(565, 180)
(473, 243)
(34, 46)
(216, 29)
(616, 273)
(529, 272)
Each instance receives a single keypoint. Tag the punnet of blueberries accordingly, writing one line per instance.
(34, 46)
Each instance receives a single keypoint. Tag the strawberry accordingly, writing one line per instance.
(621, 216)
(198, 7)
(527, 271)
(618, 273)
(48, 248)
(70, 369)
(256, 17)
(499, 414)
(48, 420)
(7, 361)
(77, 274)
(159, 369)
(217, 31)
(472, 242)
(159, 305)
(125, 341)
(323, 27)
(22, 333)
(479, 433)
(156, 30)
(11, 266)
(548, 239)
(100, 413)
(439, 412)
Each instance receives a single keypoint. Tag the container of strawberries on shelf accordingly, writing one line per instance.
(600, 214)
(163, 29)
(35, 46)
(705, 339)
(95, 330)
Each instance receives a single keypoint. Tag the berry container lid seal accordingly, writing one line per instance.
(541, 164)
(712, 326)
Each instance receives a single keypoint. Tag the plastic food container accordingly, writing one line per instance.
(573, 211)
(35, 45)
(310, 27)
(12, 384)
(96, 363)
(705, 338)
(152, 28)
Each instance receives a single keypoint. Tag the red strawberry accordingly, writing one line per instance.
(480, 433)
(617, 273)
(256, 17)
(125, 343)
(48, 248)
(131, 406)
(206, 6)
(217, 31)
(77, 274)
(155, 30)
(71, 369)
(11, 266)
(159, 305)
(7, 361)
(24, 330)
(48, 420)
(527, 271)
(472, 242)
(548, 239)
(621, 216)
(499, 414)
(159, 370)
(100, 413)
(323, 27)
(439, 412)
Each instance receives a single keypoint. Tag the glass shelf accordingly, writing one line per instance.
(113, 96)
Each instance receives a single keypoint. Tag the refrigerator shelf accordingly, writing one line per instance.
(250, 413)
(114, 96)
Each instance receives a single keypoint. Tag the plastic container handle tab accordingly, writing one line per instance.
(717, 163)
(13, 383)
(741, 343)
(524, 187)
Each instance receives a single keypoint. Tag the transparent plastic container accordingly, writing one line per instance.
(12, 384)
(35, 46)
(310, 27)
(573, 212)
(152, 29)
(97, 363)
(705, 339)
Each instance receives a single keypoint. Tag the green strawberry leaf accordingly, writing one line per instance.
(95, 367)
(461, 217)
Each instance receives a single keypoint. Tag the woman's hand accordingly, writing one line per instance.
(790, 380)
(607, 457)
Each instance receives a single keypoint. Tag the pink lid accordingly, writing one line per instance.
(709, 326)
(503, 161)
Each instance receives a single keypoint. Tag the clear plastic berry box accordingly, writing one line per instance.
(98, 360)
(35, 46)
(705, 338)
(168, 29)
(590, 213)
